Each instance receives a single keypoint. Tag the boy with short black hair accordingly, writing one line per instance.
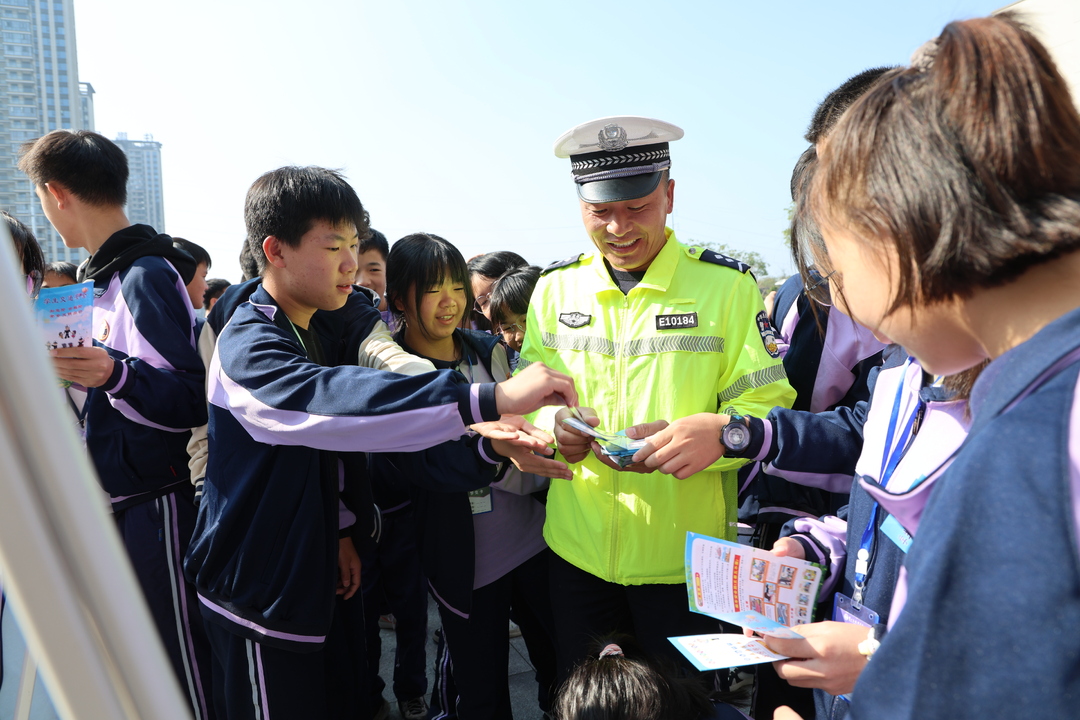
(197, 287)
(143, 377)
(265, 552)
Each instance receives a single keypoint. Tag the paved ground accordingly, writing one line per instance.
(521, 675)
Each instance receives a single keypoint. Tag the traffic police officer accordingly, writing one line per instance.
(649, 329)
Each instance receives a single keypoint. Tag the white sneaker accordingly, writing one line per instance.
(515, 631)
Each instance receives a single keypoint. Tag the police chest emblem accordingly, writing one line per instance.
(676, 322)
(768, 335)
(575, 319)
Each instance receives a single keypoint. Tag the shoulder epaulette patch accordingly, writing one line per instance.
(562, 263)
(711, 256)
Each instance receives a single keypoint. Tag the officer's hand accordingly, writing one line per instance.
(533, 388)
(573, 444)
(685, 447)
(606, 459)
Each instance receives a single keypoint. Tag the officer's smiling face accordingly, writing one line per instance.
(630, 233)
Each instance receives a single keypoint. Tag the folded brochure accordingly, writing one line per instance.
(723, 650)
(750, 587)
(66, 317)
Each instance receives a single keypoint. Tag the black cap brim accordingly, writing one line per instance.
(619, 189)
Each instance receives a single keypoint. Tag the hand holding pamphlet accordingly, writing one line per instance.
(724, 650)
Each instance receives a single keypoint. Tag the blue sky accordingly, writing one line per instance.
(443, 115)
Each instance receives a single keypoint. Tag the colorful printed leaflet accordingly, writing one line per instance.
(726, 650)
(66, 317)
(615, 445)
(749, 587)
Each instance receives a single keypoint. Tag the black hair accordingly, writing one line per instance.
(419, 262)
(287, 202)
(495, 264)
(197, 252)
(511, 293)
(214, 288)
(68, 270)
(376, 241)
(625, 684)
(839, 100)
(248, 265)
(89, 165)
(26, 245)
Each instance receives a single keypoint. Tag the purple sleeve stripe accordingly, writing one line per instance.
(1074, 459)
(445, 604)
(474, 400)
(117, 378)
(813, 552)
(766, 442)
(830, 534)
(242, 622)
(830, 482)
(124, 335)
(346, 518)
(133, 415)
(406, 431)
(487, 452)
(786, 511)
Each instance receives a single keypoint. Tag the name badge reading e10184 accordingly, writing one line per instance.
(676, 322)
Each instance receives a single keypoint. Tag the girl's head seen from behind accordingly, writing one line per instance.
(953, 176)
(29, 252)
(427, 280)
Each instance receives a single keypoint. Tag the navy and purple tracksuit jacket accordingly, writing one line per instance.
(138, 422)
(264, 554)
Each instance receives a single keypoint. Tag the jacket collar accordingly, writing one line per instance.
(659, 274)
(1009, 377)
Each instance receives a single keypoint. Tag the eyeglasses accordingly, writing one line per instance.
(33, 283)
(512, 329)
(818, 288)
(481, 302)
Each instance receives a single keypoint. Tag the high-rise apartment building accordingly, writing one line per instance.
(39, 92)
(145, 203)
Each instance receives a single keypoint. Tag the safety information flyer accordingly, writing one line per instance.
(66, 316)
(723, 650)
(750, 587)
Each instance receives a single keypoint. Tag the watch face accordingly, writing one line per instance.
(736, 437)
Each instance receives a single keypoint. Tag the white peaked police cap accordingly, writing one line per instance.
(617, 158)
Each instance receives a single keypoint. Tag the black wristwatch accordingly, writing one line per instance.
(735, 436)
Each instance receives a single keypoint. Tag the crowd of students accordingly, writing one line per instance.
(350, 428)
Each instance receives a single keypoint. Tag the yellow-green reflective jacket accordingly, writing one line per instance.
(691, 337)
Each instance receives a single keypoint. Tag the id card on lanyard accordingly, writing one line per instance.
(892, 453)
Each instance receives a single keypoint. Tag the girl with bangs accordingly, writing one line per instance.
(483, 552)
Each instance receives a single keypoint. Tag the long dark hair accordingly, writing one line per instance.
(422, 261)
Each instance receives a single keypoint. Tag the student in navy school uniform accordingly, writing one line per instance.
(265, 553)
(949, 202)
(143, 378)
(483, 552)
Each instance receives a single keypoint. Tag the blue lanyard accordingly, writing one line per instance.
(891, 456)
